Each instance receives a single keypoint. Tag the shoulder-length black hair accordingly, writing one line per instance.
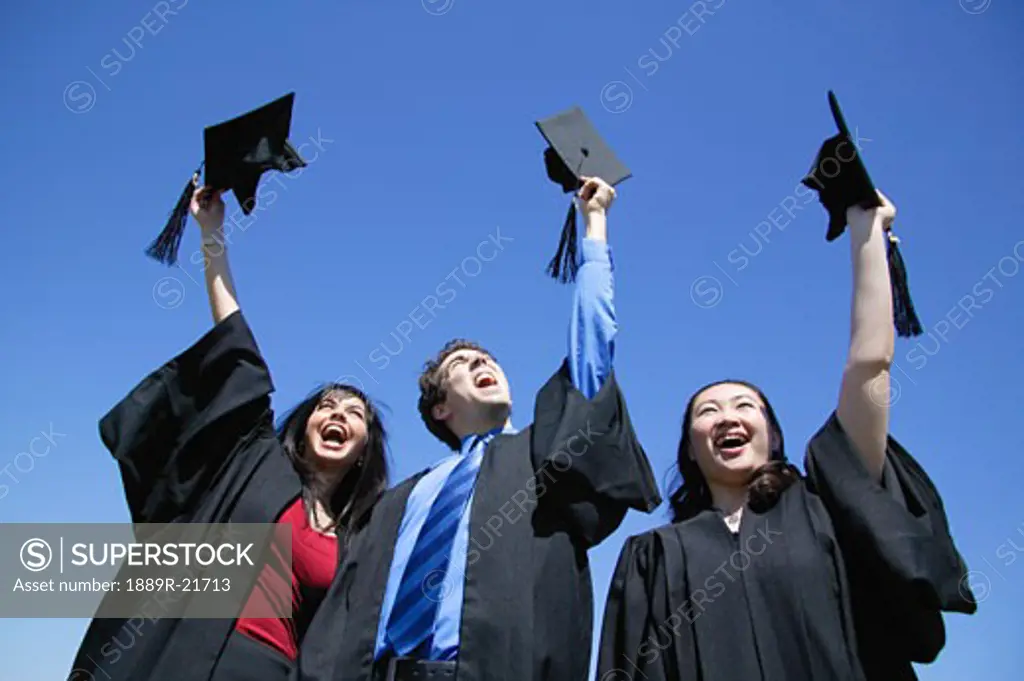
(359, 490)
(767, 483)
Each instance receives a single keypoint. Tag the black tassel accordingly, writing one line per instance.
(165, 247)
(904, 316)
(564, 266)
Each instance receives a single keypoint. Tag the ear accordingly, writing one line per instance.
(441, 412)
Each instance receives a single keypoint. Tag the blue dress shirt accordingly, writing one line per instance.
(592, 331)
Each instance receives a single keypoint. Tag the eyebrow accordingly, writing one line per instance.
(334, 398)
(735, 398)
(461, 354)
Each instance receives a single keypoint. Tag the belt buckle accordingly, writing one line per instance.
(398, 668)
(405, 669)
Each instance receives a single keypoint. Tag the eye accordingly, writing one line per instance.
(705, 409)
(746, 404)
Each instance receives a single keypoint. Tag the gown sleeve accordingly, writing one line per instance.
(630, 648)
(587, 458)
(903, 566)
(179, 426)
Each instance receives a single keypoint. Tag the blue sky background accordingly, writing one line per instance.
(429, 111)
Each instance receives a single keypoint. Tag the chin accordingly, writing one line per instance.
(494, 400)
(502, 401)
(743, 465)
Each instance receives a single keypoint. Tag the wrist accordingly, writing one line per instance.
(208, 227)
(597, 226)
(213, 244)
(865, 222)
(211, 233)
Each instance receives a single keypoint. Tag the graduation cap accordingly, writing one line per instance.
(237, 153)
(842, 181)
(575, 150)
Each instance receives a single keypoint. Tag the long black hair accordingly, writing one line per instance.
(365, 481)
(692, 494)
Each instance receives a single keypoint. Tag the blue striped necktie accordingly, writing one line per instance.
(422, 586)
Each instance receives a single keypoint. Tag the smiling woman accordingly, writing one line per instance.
(844, 574)
(736, 453)
(195, 442)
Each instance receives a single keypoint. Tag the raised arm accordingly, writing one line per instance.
(592, 327)
(208, 209)
(863, 398)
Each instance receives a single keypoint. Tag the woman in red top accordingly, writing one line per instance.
(196, 443)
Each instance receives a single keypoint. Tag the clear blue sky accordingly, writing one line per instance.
(429, 109)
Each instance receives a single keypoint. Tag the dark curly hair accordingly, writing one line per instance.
(433, 389)
(766, 485)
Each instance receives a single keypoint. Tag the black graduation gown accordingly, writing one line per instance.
(194, 442)
(543, 497)
(842, 580)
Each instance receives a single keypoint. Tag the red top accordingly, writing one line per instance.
(314, 560)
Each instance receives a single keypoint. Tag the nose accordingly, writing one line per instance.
(726, 419)
(338, 415)
(478, 361)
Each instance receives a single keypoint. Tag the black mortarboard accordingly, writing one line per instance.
(575, 150)
(237, 152)
(842, 181)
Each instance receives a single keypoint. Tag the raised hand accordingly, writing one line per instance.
(596, 195)
(207, 208)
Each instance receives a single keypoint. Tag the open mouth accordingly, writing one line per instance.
(485, 379)
(333, 435)
(731, 442)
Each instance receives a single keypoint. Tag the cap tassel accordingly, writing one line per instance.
(564, 266)
(165, 247)
(904, 316)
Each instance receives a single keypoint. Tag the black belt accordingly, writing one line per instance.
(410, 669)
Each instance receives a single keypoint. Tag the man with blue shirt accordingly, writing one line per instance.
(476, 569)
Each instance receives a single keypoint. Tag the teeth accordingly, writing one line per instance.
(333, 433)
(731, 441)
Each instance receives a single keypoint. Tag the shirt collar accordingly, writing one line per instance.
(470, 440)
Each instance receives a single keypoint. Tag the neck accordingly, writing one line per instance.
(727, 498)
(481, 423)
(322, 484)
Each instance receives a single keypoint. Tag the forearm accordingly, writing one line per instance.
(593, 327)
(863, 407)
(219, 286)
(872, 338)
(597, 226)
